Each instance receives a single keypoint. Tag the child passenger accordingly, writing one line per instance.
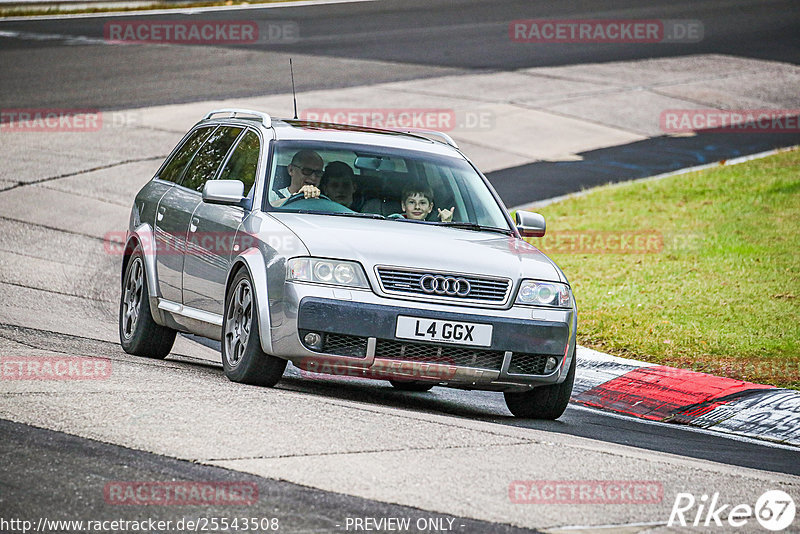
(417, 203)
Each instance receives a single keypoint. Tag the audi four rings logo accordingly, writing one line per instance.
(445, 285)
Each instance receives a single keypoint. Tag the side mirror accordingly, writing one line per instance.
(228, 192)
(530, 224)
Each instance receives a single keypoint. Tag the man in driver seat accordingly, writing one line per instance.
(305, 172)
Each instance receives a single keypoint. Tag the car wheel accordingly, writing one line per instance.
(242, 357)
(139, 334)
(543, 402)
(405, 385)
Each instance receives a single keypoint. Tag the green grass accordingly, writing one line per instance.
(722, 295)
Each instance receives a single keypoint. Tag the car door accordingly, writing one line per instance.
(176, 208)
(169, 226)
(213, 229)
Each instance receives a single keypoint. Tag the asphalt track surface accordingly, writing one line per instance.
(344, 45)
(49, 477)
(350, 45)
(55, 475)
(354, 44)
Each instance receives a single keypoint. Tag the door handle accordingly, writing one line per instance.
(193, 226)
(160, 214)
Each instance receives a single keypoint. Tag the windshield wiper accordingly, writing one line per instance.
(477, 227)
(338, 213)
(356, 214)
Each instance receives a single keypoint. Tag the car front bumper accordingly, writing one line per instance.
(357, 330)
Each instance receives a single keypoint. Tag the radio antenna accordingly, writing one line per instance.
(294, 95)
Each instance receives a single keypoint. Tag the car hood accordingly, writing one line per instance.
(419, 246)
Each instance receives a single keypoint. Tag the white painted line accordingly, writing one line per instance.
(734, 161)
(596, 368)
(586, 353)
(186, 10)
(68, 39)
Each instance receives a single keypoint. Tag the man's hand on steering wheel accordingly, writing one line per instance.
(310, 191)
(305, 192)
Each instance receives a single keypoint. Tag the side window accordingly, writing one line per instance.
(173, 169)
(243, 162)
(209, 157)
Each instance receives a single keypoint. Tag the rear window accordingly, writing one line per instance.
(207, 160)
(173, 170)
(243, 162)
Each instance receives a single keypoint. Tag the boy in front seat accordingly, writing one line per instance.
(417, 203)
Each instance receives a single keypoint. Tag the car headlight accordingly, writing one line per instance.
(321, 271)
(538, 293)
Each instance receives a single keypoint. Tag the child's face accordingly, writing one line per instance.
(417, 207)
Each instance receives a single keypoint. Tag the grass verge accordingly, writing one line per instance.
(699, 271)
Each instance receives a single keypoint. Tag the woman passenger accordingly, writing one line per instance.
(338, 183)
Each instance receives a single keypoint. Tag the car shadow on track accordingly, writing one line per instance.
(577, 421)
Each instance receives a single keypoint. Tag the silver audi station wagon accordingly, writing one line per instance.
(350, 251)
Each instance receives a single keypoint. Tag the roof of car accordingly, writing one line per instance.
(299, 130)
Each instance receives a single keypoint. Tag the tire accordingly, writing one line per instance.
(543, 402)
(139, 334)
(405, 385)
(242, 357)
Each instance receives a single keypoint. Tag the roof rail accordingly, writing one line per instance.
(439, 136)
(266, 120)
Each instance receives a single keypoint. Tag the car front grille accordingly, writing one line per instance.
(409, 282)
(392, 349)
(341, 345)
(527, 364)
(445, 354)
(345, 345)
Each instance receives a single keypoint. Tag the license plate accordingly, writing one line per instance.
(444, 331)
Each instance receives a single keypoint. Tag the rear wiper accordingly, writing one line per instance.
(477, 227)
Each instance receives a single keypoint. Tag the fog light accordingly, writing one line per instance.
(551, 364)
(312, 339)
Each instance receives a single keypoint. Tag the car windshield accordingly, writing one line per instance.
(380, 182)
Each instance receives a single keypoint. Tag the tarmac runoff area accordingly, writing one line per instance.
(61, 195)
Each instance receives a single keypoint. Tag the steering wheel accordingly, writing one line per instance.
(301, 196)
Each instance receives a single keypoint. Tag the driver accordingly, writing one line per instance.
(305, 172)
